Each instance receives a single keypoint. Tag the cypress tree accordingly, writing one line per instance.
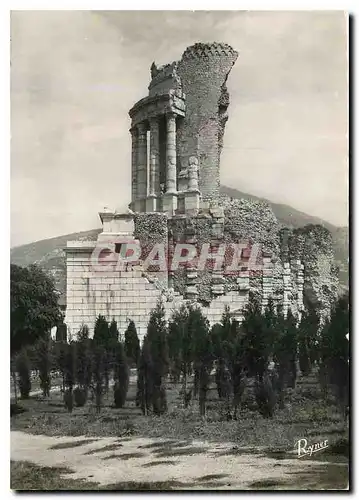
(69, 374)
(335, 351)
(98, 374)
(198, 328)
(23, 370)
(43, 362)
(308, 337)
(255, 343)
(83, 366)
(101, 337)
(158, 346)
(103, 341)
(259, 335)
(113, 333)
(180, 346)
(121, 376)
(285, 353)
(60, 349)
(145, 378)
(132, 344)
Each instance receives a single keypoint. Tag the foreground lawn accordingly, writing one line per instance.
(26, 476)
(306, 415)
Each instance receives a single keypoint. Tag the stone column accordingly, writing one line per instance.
(141, 166)
(300, 287)
(287, 288)
(243, 291)
(192, 193)
(133, 131)
(170, 196)
(191, 291)
(193, 174)
(171, 177)
(267, 280)
(154, 180)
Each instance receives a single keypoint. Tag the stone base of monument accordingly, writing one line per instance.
(169, 203)
(152, 203)
(191, 202)
(139, 205)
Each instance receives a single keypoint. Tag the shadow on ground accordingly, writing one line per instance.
(125, 456)
(72, 444)
(320, 477)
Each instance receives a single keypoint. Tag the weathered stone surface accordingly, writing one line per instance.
(186, 113)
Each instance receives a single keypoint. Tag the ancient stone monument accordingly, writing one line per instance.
(185, 112)
(177, 135)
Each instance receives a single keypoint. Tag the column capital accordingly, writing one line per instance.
(142, 127)
(171, 115)
(133, 130)
(154, 120)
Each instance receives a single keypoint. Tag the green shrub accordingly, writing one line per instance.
(43, 364)
(23, 369)
(121, 376)
(80, 396)
(69, 400)
(265, 397)
(132, 344)
(119, 394)
(16, 409)
(340, 447)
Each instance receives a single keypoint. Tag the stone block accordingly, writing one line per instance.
(139, 205)
(169, 201)
(191, 202)
(76, 300)
(152, 204)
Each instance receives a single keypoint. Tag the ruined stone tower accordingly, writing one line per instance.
(185, 114)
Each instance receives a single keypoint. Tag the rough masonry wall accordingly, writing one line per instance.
(249, 221)
(196, 231)
(124, 296)
(313, 245)
(151, 229)
(239, 221)
(203, 71)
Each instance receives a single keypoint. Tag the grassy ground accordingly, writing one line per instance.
(306, 415)
(26, 476)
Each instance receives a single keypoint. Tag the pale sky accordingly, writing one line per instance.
(75, 75)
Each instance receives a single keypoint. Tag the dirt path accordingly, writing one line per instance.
(199, 465)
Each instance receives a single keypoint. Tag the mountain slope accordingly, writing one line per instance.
(286, 215)
(49, 254)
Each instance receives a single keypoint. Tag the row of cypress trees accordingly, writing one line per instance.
(85, 364)
(187, 350)
(188, 346)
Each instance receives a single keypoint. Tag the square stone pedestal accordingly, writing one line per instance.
(169, 203)
(191, 202)
(152, 203)
(139, 205)
(180, 203)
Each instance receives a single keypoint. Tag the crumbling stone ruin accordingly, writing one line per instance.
(177, 136)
